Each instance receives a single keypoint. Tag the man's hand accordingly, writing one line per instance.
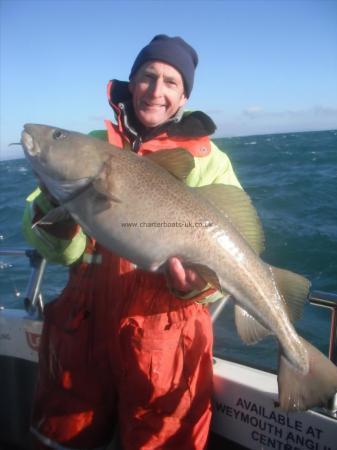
(183, 279)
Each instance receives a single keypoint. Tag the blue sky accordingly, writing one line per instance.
(265, 66)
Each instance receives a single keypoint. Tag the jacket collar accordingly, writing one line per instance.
(184, 124)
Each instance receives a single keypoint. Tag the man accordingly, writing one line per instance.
(120, 345)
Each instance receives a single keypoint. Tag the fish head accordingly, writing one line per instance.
(64, 161)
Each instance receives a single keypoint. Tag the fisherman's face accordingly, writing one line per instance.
(157, 93)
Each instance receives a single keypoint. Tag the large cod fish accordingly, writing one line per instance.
(214, 229)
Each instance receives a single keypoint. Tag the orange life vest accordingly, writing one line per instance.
(94, 253)
(198, 147)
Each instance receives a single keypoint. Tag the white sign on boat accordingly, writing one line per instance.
(244, 412)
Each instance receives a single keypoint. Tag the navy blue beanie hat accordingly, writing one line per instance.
(171, 50)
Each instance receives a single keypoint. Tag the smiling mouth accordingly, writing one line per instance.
(153, 105)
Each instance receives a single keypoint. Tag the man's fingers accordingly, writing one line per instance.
(177, 274)
(195, 280)
(182, 279)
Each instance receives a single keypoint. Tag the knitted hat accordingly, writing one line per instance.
(171, 50)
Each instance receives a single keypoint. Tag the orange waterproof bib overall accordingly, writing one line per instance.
(119, 349)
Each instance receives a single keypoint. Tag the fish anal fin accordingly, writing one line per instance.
(177, 161)
(235, 203)
(248, 328)
(301, 391)
(294, 289)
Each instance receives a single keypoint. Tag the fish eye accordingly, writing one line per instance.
(59, 134)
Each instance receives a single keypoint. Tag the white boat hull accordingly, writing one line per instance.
(245, 412)
(244, 398)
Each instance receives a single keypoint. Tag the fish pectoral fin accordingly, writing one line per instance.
(102, 194)
(55, 215)
(177, 161)
(208, 275)
(248, 328)
(294, 289)
(235, 203)
(301, 391)
(105, 184)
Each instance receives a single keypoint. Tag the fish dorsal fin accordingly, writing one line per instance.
(178, 162)
(248, 328)
(294, 288)
(237, 206)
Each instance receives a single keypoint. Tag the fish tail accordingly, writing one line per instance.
(301, 391)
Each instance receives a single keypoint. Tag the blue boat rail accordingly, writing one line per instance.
(33, 303)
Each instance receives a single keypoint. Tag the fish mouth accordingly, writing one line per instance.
(30, 146)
